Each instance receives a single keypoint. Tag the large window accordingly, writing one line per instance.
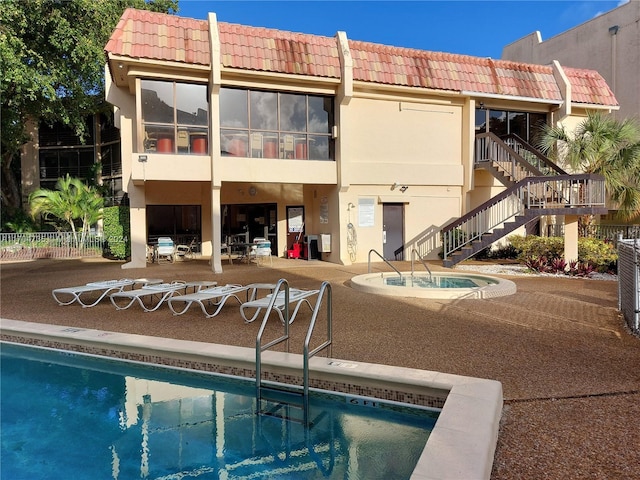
(175, 117)
(501, 122)
(264, 124)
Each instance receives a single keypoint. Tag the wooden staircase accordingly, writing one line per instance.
(535, 187)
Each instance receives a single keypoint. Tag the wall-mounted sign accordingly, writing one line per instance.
(366, 212)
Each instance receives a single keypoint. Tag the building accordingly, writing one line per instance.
(56, 151)
(608, 43)
(232, 131)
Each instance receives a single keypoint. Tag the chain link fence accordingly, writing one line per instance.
(629, 282)
(30, 246)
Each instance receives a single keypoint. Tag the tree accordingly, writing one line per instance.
(605, 146)
(72, 200)
(52, 62)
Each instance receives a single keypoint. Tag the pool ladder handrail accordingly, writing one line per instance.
(328, 343)
(424, 264)
(383, 259)
(307, 354)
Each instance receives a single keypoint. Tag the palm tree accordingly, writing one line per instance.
(605, 146)
(72, 200)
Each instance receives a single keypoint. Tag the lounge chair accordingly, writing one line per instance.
(296, 296)
(160, 292)
(214, 297)
(103, 288)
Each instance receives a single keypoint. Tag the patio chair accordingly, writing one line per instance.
(186, 252)
(296, 296)
(155, 293)
(165, 249)
(103, 288)
(261, 250)
(209, 297)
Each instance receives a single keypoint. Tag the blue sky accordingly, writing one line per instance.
(478, 28)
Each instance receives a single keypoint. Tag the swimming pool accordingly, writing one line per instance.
(461, 445)
(90, 417)
(439, 285)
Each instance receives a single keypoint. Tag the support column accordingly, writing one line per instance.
(138, 227)
(570, 238)
(216, 228)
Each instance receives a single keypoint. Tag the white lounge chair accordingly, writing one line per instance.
(159, 293)
(208, 297)
(296, 296)
(103, 288)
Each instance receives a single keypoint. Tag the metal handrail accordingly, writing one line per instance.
(326, 286)
(383, 259)
(414, 251)
(559, 194)
(284, 338)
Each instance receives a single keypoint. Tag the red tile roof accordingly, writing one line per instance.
(587, 86)
(157, 36)
(254, 48)
(143, 34)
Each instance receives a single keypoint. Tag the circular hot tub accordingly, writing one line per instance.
(439, 285)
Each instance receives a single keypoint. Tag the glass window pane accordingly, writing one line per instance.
(518, 124)
(293, 113)
(536, 122)
(234, 143)
(318, 147)
(157, 101)
(48, 164)
(191, 104)
(234, 108)
(498, 122)
(264, 110)
(320, 113)
(481, 121)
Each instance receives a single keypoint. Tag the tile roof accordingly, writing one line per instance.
(445, 71)
(157, 36)
(144, 34)
(255, 48)
(588, 86)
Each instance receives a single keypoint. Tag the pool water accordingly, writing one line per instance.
(434, 282)
(66, 415)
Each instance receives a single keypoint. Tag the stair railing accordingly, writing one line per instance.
(530, 154)
(549, 195)
(489, 148)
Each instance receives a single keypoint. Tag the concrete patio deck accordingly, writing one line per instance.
(569, 369)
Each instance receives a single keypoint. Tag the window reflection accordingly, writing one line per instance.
(501, 122)
(264, 110)
(175, 117)
(262, 124)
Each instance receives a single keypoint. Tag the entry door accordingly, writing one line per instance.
(393, 230)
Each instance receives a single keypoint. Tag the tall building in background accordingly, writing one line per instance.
(609, 44)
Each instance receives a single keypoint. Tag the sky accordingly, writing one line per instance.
(478, 27)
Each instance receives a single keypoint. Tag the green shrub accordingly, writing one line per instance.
(601, 255)
(117, 236)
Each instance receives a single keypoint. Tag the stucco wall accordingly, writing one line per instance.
(614, 53)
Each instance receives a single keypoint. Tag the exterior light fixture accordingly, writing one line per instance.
(394, 186)
(404, 188)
